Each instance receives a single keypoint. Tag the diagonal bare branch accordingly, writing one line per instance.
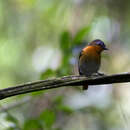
(73, 80)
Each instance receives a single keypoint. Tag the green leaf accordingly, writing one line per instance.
(65, 41)
(65, 109)
(32, 124)
(37, 93)
(47, 73)
(48, 117)
(81, 35)
(58, 100)
(12, 119)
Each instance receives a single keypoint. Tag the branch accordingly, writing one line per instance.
(74, 80)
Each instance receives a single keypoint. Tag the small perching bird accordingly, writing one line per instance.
(90, 59)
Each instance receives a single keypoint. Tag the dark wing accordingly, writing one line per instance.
(78, 62)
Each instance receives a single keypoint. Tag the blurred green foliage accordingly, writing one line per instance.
(41, 39)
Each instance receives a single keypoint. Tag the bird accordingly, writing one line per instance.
(90, 59)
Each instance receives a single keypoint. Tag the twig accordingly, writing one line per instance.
(73, 80)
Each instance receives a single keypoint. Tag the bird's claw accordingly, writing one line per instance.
(98, 74)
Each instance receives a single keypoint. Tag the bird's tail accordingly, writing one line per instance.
(85, 87)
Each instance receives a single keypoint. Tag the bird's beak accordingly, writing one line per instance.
(106, 48)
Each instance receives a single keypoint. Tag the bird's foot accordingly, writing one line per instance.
(95, 75)
(98, 74)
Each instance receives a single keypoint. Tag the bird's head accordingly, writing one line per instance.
(98, 44)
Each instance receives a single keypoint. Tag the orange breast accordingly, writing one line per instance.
(89, 61)
(92, 53)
